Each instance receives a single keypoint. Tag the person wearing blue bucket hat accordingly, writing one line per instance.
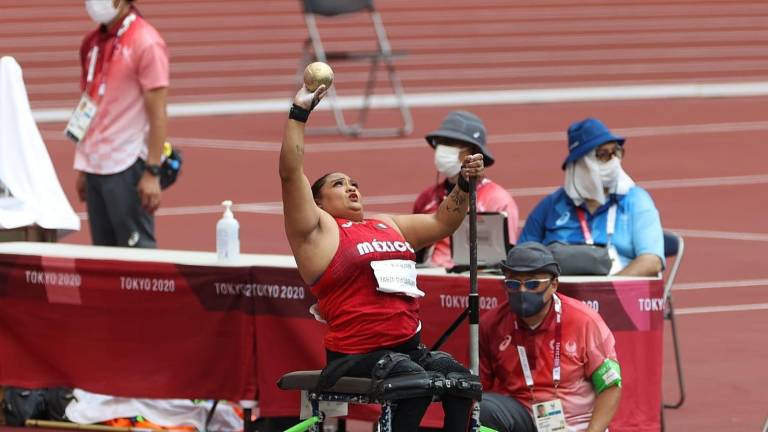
(599, 204)
(587, 135)
(461, 133)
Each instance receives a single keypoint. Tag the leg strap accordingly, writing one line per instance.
(408, 386)
(464, 385)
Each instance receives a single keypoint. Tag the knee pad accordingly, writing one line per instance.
(394, 364)
(399, 377)
(442, 362)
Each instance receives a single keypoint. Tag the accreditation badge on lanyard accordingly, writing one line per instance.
(548, 415)
(81, 119)
(85, 111)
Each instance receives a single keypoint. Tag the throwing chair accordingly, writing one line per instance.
(384, 392)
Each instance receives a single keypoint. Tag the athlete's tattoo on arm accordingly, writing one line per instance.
(456, 202)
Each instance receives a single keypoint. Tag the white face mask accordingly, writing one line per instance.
(609, 172)
(101, 11)
(447, 160)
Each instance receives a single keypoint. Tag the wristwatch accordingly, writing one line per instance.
(152, 169)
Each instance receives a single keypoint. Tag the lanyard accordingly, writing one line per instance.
(584, 227)
(610, 227)
(107, 60)
(521, 353)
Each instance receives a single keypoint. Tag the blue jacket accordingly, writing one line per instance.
(638, 228)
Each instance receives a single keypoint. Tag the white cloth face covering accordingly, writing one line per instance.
(609, 172)
(447, 160)
(588, 178)
(101, 11)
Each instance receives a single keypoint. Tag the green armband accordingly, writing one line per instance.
(607, 375)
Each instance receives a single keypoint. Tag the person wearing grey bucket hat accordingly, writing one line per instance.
(466, 127)
(461, 133)
(579, 384)
(599, 205)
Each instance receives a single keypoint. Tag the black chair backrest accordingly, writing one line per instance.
(671, 244)
(336, 7)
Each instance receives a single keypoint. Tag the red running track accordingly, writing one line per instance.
(703, 160)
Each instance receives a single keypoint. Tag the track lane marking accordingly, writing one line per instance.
(688, 286)
(497, 139)
(464, 99)
(720, 309)
(275, 207)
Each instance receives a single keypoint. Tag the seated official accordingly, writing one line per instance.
(545, 353)
(460, 134)
(600, 204)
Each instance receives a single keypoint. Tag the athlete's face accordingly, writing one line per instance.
(340, 197)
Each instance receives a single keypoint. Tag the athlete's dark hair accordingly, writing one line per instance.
(318, 184)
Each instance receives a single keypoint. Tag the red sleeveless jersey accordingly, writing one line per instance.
(360, 318)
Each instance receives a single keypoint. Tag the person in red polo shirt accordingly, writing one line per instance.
(119, 125)
(460, 134)
(546, 353)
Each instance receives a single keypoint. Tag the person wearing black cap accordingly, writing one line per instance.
(460, 134)
(543, 348)
(600, 204)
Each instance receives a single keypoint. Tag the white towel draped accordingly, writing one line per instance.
(25, 166)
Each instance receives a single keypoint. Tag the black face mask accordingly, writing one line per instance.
(525, 304)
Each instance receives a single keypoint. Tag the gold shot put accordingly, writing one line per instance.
(317, 74)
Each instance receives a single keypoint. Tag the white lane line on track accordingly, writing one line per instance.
(688, 286)
(719, 309)
(532, 137)
(705, 182)
(498, 73)
(473, 98)
(202, 95)
(722, 235)
(275, 207)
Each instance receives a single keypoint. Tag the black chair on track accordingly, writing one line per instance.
(674, 247)
(314, 50)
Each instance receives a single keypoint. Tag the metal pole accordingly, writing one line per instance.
(474, 299)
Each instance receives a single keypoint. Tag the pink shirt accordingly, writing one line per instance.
(586, 342)
(135, 61)
(490, 198)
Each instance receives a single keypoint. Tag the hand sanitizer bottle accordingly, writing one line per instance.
(227, 235)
